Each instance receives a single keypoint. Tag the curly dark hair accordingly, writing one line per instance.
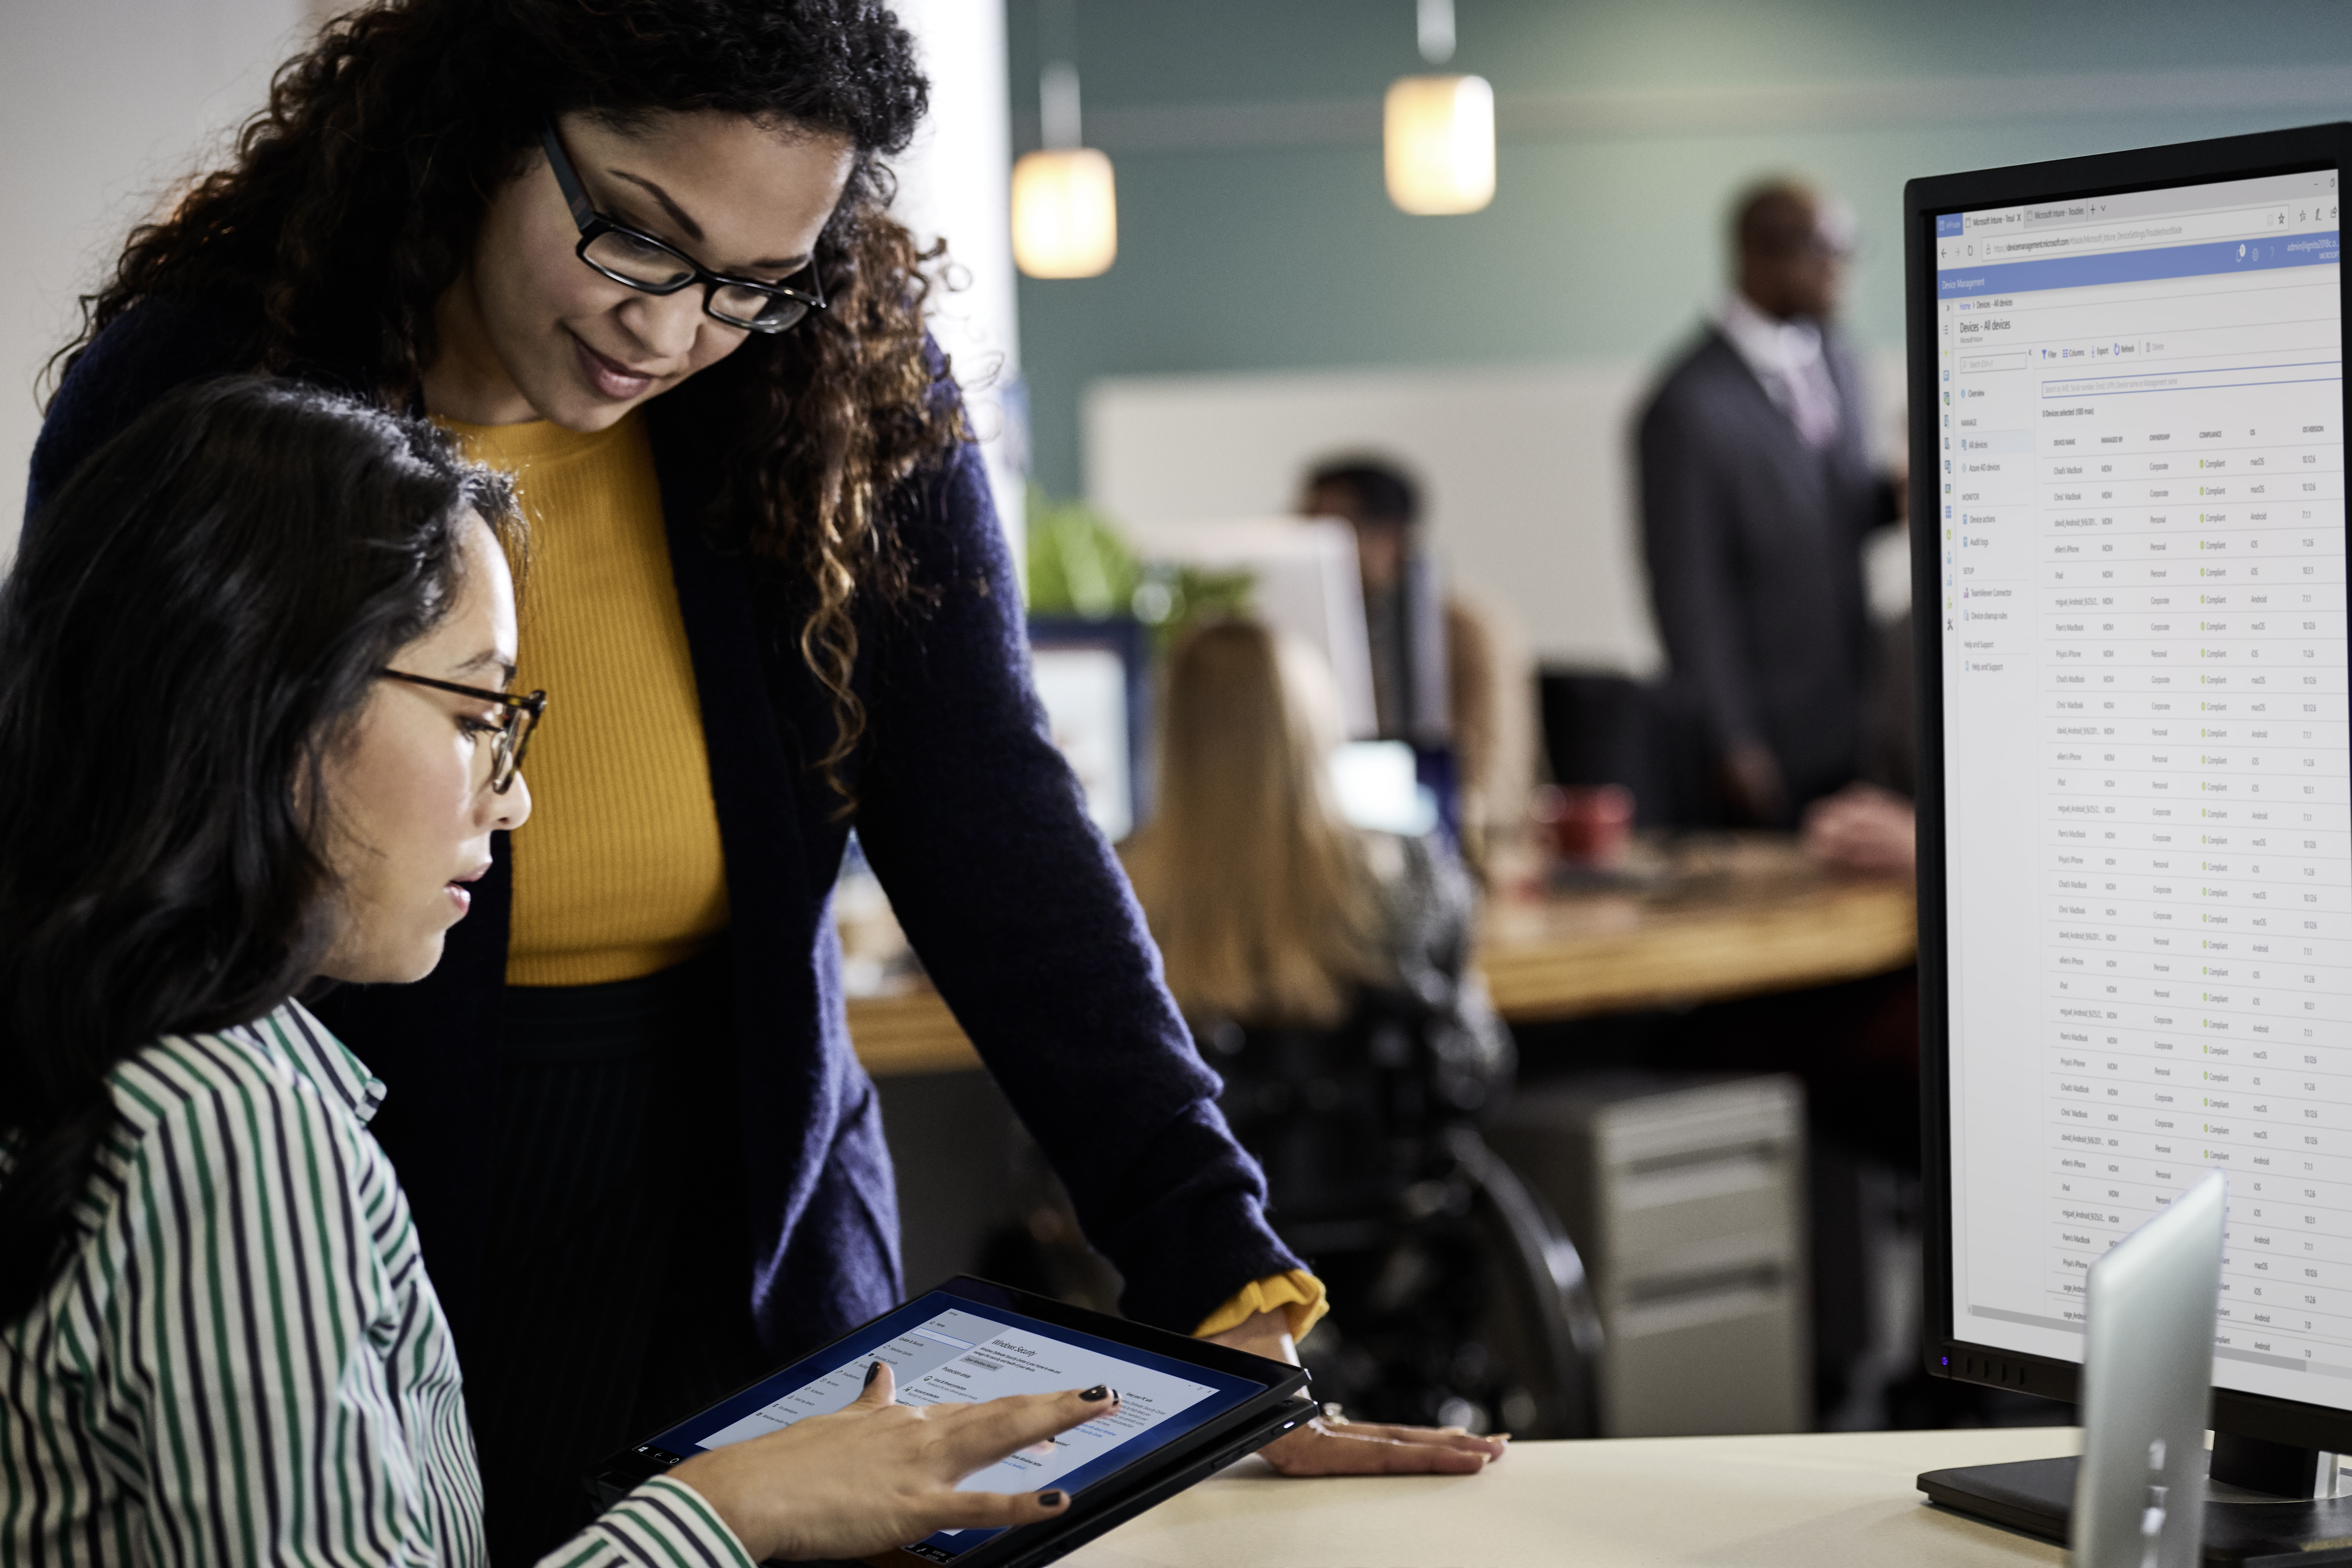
(353, 201)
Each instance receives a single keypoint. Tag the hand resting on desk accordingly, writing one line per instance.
(1331, 1447)
(1864, 829)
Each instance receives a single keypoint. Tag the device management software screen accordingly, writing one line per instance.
(2148, 859)
(944, 1351)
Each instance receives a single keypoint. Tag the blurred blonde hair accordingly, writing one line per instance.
(1259, 894)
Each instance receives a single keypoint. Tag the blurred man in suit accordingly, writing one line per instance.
(1757, 490)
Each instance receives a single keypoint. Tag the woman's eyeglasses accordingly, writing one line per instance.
(641, 261)
(522, 715)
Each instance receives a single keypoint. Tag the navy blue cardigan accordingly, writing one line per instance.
(975, 826)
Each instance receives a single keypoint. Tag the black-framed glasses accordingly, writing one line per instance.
(513, 737)
(626, 256)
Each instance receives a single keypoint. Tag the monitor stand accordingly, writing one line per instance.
(2264, 1497)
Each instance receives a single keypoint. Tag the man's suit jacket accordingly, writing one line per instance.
(1753, 542)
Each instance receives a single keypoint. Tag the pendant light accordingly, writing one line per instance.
(1438, 132)
(1065, 209)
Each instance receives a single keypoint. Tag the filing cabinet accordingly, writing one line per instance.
(1686, 1198)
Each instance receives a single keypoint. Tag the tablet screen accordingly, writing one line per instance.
(947, 1350)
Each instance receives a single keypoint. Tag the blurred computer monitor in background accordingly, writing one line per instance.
(1093, 678)
(1377, 784)
(1306, 583)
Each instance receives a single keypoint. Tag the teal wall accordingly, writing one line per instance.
(1601, 244)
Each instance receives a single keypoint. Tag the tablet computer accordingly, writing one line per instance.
(1187, 1408)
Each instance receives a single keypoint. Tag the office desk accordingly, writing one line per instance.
(1723, 918)
(1816, 1500)
(909, 1032)
(1727, 916)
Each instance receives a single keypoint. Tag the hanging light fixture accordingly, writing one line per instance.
(1065, 207)
(1438, 132)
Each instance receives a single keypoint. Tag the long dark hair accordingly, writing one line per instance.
(353, 201)
(194, 620)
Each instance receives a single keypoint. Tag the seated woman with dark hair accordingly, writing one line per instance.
(255, 733)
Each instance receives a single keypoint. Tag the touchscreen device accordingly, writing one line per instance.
(1187, 1407)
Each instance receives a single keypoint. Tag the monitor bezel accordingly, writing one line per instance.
(2252, 156)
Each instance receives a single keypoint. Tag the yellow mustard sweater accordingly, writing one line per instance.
(620, 872)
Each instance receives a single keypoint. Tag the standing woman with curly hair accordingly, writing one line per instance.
(637, 253)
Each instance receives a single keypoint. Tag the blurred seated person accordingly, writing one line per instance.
(1757, 490)
(1326, 973)
(1869, 825)
(1443, 675)
(1269, 909)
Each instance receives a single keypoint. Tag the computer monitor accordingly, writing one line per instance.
(2126, 407)
(1303, 580)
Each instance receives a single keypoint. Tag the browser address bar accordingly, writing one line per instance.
(2216, 379)
(2188, 227)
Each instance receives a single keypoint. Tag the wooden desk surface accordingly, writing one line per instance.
(1723, 918)
(1815, 1501)
(1727, 917)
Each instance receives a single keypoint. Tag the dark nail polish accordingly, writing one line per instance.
(873, 1371)
(1051, 1499)
(1099, 1392)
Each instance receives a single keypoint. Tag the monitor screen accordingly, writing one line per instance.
(2146, 773)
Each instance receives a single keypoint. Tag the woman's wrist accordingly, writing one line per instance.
(1263, 1334)
(708, 1479)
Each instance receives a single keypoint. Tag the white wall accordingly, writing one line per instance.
(1526, 474)
(956, 182)
(103, 105)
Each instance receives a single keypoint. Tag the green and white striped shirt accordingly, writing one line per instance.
(244, 1361)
